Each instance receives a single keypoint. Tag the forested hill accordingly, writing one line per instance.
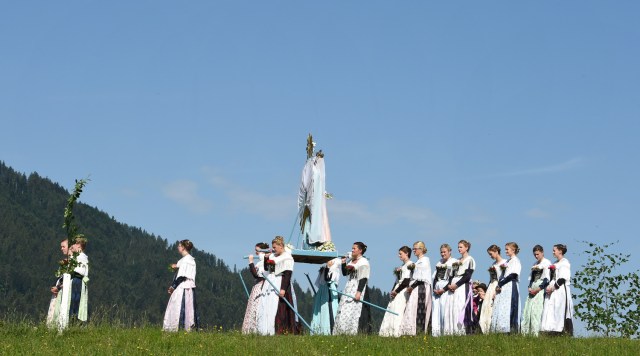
(129, 275)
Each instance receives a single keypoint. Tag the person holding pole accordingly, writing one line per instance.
(286, 320)
(325, 301)
(250, 322)
(56, 290)
(78, 307)
(354, 317)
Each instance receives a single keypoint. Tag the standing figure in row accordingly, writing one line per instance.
(254, 305)
(79, 307)
(53, 314)
(270, 297)
(418, 311)
(182, 307)
(325, 302)
(458, 318)
(538, 282)
(487, 307)
(286, 320)
(440, 282)
(399, 295)
(506, 307)
(353, 316)
(557, 314)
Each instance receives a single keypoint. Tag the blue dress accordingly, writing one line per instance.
(325, 302)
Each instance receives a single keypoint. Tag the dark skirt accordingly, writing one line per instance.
(285, 316)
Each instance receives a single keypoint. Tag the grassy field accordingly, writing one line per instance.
(29, 339)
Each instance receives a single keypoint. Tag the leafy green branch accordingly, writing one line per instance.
(69, 223)
(607, 302)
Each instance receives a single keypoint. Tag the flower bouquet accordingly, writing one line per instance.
(455, 266)
(397, 272)
(327, 246)
(67, 265)
(552, 270)
(271, 265)
(351, 269)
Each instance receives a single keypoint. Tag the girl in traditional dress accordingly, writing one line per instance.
(325, 302)
(250, 323)
(270, 298)
(353, 316)
(286, 321)
(182, 307)
(440, 282)
(458, 318)
(391, 323)
(56, 291)
(79, 279)
(506, 307)
(487, 306)
(557, 314)
(478, 301)
(538, 281)
(418, 311)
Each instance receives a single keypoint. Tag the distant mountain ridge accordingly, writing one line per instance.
(128, 276)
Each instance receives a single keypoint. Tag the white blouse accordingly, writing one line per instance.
(513, 266)
(422, 272)
(333, 274)
(563, 270)
(260, 264)
(405, 272)
(362, 268)
(284, 262)
(187, 267)
(83, 264)
(544, 266)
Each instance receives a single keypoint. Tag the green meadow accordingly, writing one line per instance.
(29, 339)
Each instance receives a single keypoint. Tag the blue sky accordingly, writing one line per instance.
(486, 121)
